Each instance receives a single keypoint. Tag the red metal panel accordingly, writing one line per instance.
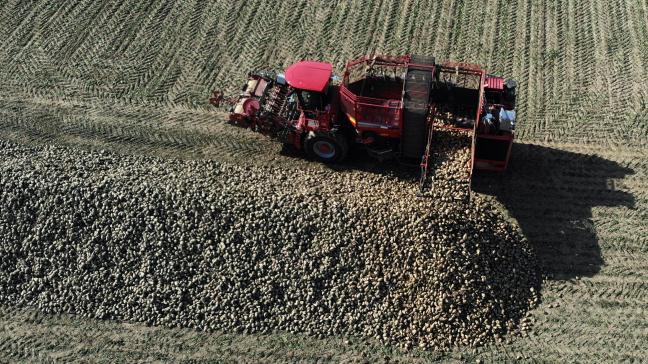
(309, 75)
(382, 116)
(495, 83)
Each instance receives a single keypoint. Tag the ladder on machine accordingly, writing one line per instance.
(425, 160)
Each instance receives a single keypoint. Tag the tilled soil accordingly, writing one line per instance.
(256, 249)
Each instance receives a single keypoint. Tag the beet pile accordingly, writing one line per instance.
(256, 249)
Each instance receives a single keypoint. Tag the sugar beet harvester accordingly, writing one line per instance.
(389, 104)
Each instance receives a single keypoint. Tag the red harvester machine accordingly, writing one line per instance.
(389, 104)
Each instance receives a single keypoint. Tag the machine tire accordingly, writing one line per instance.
(329, 147)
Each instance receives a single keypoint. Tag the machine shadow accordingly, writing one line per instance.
(359, 160)
(551, 194)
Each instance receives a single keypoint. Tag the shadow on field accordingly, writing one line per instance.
(358, 160)
(551, 194)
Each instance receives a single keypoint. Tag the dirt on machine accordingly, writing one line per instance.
(407, 108)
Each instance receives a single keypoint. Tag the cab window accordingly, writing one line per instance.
(310, 100)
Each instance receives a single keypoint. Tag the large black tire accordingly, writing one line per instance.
(331, 147)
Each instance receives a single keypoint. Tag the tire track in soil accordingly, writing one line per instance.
(632, 69)
(94, 22)
(521, 61)
(454, 29)
(423, 29)
(157, 79)
(142, 49)
(207, 59)
(355, 24)
(467, 33)
(538, 52)
(248, 42)
(315, 34)
(414, 31)
(388, 27)
(163, 133)
(486, 38)
(15, 39)
(290, 15)
(120, 44)
(339, 35)
(427, 47)
(182, 49)
(370, 24)
(193, 38)
(92, 68)
(223, 56)
(9, 21)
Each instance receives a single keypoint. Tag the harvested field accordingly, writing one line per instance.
(133, 77)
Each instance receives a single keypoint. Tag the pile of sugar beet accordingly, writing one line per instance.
(257, 249)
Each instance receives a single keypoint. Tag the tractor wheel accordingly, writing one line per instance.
(326, 147)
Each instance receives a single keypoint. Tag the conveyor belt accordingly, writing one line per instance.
(418, 81)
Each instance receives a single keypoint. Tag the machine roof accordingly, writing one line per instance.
(309, 75)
